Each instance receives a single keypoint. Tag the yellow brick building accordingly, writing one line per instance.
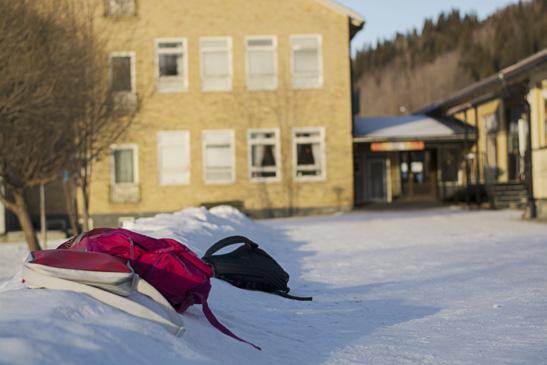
(509, 157)
(241, 102)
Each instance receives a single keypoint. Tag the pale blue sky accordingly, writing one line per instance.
(386, 17)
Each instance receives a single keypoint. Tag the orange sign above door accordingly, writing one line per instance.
(397, 146)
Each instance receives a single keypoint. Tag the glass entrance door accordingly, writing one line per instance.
(417, 177)
(375, 180)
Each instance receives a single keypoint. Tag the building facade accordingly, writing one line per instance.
(485, 144)
(509, 157)
(242, 103)
(409, 159)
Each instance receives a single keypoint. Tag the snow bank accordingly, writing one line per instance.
(51, 327)
(439, 286)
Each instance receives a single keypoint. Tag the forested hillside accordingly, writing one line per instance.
(415, 69)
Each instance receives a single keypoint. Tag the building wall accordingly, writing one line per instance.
(536, 99)
(239, 109)
(494, 107)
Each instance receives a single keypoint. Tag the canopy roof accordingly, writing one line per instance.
(410, 127)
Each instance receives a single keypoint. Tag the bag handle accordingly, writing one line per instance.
(228, 241)
(173, 322)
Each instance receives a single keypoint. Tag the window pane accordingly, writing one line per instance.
(218, 156)
(308, 42)
(306, 61)
(261, 63)
(305, 154)
(174, 157)
(169, 64)
(216, 64)
(123, 166)
(121, 7)
(256, 135)
(309, 153)
(263, 156)
(121, 73)
(214, 43)
(264, 42)
(170, 45)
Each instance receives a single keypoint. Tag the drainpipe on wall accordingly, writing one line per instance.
(528, 170)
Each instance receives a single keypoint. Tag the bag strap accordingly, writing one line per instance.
(36, 279)
(216, 323)
(228, 241)
(294, 297)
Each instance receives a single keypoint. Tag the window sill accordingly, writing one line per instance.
(259, 180)
(307, 179)
(125, 193)
(171, 91)
(216, 183)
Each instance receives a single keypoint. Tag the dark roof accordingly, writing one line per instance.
(410, 127)
(491, 87)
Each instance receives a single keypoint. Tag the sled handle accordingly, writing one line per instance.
(228, 241)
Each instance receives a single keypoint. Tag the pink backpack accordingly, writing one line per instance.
(166, 264)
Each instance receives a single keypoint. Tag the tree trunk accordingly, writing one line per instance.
(85, 208)
(24, 219)
(70, 205)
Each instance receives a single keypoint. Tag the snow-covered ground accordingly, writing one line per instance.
(439, 286)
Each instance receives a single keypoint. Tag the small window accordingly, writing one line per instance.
(120, 7)
(218, 156)
(174, 157)
(307, 64)
(309, 147)
(172, 65)
(264, 154)
(124, 164)
(122, 72)
(261, 63)
(216, 64)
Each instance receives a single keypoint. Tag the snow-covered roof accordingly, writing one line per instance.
(356, 19)
(397, 128)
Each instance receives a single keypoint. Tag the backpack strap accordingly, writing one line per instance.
(294, 297)
(37, 279)
(228, 241)
(216, 323)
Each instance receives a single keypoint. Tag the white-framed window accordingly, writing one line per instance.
(309, 153)
(306, 61)
(174, 157)
(120, 7)
(216, 63)
(171, 64)
(125, 164)
(264, 154)
(261, 62)
(219, 156)
(122, 72)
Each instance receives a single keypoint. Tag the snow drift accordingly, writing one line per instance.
(440, 286)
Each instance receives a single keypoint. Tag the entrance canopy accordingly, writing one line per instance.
(411, 128)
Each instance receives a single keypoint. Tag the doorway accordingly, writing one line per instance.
(418, 175)
(376, 187)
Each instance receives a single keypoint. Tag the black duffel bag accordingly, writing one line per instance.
(249, 267)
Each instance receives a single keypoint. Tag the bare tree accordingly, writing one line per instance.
(51, 76)
(106, 114)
